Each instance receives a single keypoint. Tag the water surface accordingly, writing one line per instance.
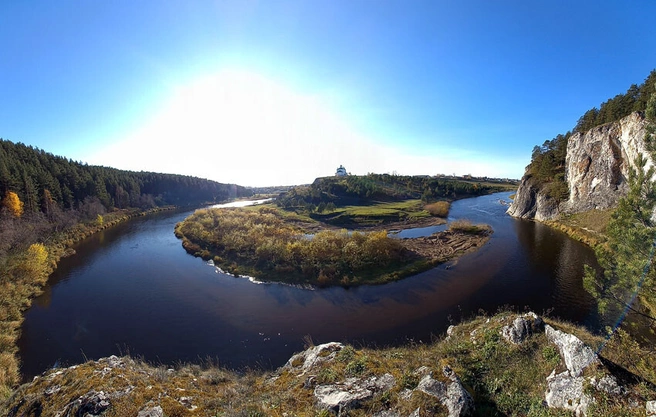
(133, 289)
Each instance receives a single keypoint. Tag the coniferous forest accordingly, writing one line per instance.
(40, 178)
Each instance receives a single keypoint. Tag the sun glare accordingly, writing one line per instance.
(241, 127)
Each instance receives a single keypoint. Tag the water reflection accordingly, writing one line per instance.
(135, 288)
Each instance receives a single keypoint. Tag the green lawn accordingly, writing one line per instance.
(375, 213)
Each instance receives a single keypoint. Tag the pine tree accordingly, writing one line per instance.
(627, 256)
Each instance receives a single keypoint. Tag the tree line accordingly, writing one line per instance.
(635, 99)
(41, 180)
(329, 192)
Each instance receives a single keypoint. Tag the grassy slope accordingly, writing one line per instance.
(588, 227)
(503, 379)
(375, 213)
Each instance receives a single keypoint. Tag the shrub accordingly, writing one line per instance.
(438, 209)
(465, 226)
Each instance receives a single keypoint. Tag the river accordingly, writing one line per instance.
(133, 289)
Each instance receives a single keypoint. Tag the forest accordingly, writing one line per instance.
(327, 193)
(547, 167)
(47, 203)
(40, 179)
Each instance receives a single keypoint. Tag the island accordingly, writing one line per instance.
(337, 231)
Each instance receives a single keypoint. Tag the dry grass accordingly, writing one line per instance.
(466, 226)
(587, 227)
(22, 277)
(438, 209)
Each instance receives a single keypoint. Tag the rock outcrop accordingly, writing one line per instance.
(575, 353)
(597, 167)
(482, 364)
(522, 328)
(306, 360)
(451, 394)
(530, 203)
(351, 392)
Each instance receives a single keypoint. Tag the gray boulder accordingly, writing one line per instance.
(304, 361)
(566, 391)
(451, 394)
(151, 412)
(91, 404)
(351, 392)
(650, 408)
(517, 332)
(522, 328)
(608, 384)
(575, 353)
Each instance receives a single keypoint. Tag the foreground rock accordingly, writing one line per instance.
(487, 359)
(451, 394)
(566, 392)
(522, 328)
(315, 355)
(351, 392)
(575, 353)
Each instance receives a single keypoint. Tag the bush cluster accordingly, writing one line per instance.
(264, 244)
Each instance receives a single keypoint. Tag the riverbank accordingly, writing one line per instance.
(270, 244)
(587, 227)
(505, 364)
(25, 274)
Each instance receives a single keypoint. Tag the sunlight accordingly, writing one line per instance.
(240, 127)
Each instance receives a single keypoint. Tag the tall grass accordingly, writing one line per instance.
(466, 226)
(23, 273)
(438, 209)
(263, 243)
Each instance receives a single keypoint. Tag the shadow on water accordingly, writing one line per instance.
(135, 289)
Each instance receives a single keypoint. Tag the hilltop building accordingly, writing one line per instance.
(341, 172)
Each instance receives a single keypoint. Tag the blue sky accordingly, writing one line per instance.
(280, 92)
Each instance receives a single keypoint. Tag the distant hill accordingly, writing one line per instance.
(39, 177)
(358, 189)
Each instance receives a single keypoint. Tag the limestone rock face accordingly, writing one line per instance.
(598, 163)
(529, 203)
(597, 167)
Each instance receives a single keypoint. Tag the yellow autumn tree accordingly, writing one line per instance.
(13, 203)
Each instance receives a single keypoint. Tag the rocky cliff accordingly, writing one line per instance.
(597, 167)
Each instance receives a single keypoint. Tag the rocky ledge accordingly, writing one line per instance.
(505, 364)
